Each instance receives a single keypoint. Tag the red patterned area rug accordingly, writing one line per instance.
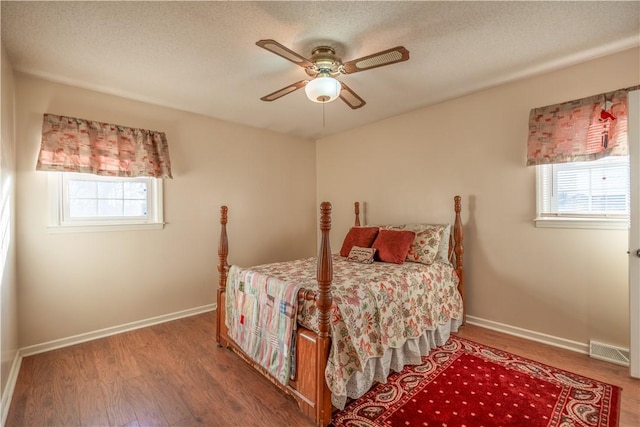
(468, 384)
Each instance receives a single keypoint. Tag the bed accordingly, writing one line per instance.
(390, 332)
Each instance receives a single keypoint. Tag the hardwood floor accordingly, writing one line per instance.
(173, 374)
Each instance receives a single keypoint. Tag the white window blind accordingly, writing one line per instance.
(594, 190)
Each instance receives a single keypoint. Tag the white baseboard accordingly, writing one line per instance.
(530, 335)
(101, 333)
(7, 393)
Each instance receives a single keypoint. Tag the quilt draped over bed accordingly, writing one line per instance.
(261, 318)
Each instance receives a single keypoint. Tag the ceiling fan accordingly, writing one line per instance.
(323, 66)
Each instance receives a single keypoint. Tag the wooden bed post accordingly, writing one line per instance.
(458, 235)
(223, 269)
(357, 211)
(324, 302)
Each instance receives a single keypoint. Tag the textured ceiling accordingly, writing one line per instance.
(201, 56)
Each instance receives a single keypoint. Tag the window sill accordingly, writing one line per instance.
(103, 227)
(589, 223)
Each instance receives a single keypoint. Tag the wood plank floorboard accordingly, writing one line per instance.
(173, 374)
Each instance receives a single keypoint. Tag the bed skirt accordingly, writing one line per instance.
(395, 359)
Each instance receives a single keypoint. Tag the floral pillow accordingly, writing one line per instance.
(361, 255)
(424, 248)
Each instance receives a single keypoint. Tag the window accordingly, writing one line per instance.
(593, 194)
(85, 202)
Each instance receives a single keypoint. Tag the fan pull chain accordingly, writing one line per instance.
(323, 122)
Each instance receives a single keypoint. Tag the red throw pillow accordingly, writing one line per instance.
(393, 245)
(358, 236)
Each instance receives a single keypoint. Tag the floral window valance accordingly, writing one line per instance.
(77, 145)
(579, 130)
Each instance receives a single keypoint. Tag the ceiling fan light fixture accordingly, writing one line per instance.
(323, 88)
(323, 66)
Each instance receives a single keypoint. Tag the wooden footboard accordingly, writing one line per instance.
(309, 388)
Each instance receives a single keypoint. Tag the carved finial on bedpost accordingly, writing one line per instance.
(458, 234)
(223, 269)
(357, 211)
(325, 271)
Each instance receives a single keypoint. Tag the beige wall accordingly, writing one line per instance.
(75, 283)
(8, 284)
(567, 283)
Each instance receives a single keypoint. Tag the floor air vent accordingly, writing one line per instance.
(609, 353)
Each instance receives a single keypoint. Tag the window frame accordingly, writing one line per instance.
(58, 207)
(560, 220)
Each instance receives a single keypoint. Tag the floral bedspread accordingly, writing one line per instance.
(375, 307)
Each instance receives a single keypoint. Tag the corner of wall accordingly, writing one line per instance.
(9, 339)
